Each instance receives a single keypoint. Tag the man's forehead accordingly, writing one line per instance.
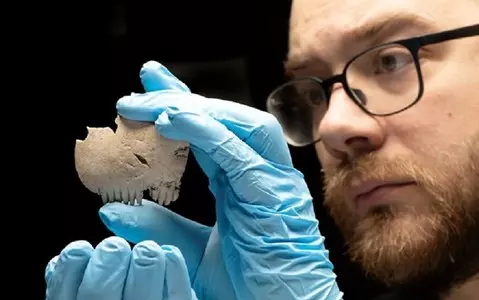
(348, 12)
(317, 23)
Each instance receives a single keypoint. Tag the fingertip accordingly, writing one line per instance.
(116, 213)
(156, 76)
(77, 249)
(108, 214)
(110, 257)
(151, 64)
(124, 103)
(174, 254)
(139, 107)
(147, 248)
(50, 268)
(114, 244)
(119, 214)
(147, 253)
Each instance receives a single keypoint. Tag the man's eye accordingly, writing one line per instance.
(389, 62)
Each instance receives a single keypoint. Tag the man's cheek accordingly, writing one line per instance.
(327, 161)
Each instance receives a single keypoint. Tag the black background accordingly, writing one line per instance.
(90, 56)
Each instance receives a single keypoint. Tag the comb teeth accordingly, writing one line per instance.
(127, 196)
(165, 196)
(162, 196)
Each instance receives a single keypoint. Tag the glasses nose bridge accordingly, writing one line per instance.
(328, 84)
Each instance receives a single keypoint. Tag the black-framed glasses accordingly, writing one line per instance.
(382, 81)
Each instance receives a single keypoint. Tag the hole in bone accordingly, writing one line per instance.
(181, 152)
(142, 159)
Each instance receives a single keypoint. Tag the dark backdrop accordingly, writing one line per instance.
(232, 50)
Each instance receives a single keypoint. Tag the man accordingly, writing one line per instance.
(397, 136)
(403, 188)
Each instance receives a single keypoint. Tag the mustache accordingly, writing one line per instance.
(370, 167)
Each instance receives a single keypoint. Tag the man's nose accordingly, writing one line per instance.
(348, 131)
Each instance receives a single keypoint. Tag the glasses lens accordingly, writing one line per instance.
(384, 80)
(299, 106)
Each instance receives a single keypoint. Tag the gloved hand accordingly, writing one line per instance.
(113, 271)
(266, 243)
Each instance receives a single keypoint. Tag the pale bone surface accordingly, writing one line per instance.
(120, 165)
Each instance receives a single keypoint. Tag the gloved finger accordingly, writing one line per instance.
(106, 272)
(146, 273)
(177, 285)
(250, 175)
(64, 273)
(151, 221)
(219, 273)
(50, 268)
(258, 129)
(156, 77)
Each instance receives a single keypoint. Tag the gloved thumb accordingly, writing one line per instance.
(151, 221)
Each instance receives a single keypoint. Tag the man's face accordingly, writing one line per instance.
(424, 161)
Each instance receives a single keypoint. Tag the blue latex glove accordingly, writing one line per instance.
(266, 243)
(114, 271)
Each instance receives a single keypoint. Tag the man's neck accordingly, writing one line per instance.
(466, 291)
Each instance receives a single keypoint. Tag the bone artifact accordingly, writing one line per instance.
(121, 165)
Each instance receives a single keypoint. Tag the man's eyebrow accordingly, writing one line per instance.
(376, 28)
(373, 31)
(296, 63)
